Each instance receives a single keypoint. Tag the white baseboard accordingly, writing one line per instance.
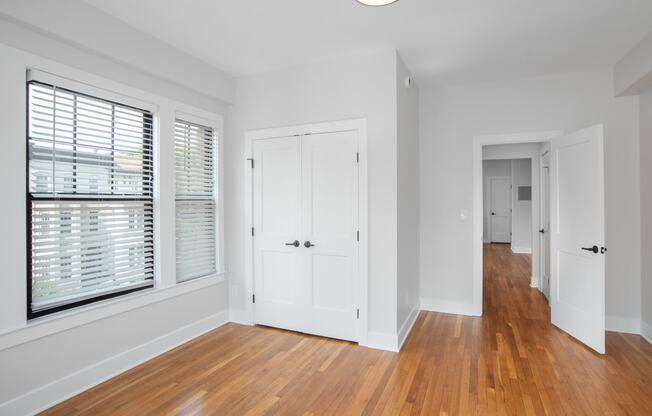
(406, 328)
(534, 282)
(57, 391)
(646, 331)
(521, 250)
(624, 325)
(445, 306)
(238, 316)
(381, 341)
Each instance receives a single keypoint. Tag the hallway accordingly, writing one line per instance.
(511, 361)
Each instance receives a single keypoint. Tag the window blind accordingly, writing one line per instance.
(195, 154)
(90, 198)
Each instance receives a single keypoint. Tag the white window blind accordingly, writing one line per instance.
(195, 151)
(90, 198)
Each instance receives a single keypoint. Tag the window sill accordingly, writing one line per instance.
(62, 321)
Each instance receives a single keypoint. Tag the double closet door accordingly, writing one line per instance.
(305, 209)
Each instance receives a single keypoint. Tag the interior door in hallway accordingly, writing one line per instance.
(310, 287)
(544, 232)
(577, 235)
(500, 209)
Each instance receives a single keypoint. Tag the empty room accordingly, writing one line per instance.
(326, 207)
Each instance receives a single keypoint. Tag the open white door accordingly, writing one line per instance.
(577, 235)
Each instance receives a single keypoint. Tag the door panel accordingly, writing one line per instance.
(277, 221)
(577, 222)
(500, 205)
(330, 222)
(306, 189)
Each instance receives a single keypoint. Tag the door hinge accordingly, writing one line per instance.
(252, 162)
(358, 314)
(357, 157)
(252, 231)
(253, 298)
(358, 235)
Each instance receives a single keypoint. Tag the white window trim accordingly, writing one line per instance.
(208, 120)
(17, 330)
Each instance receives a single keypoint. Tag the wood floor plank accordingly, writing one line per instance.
(511, 361)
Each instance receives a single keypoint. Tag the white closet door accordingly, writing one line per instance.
(306, 189)
(330, 197)
(278, 280)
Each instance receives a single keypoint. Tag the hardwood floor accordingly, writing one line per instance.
(511, 361)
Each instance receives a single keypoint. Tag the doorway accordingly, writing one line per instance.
(307, 207)
(499, 208)
(577, 273)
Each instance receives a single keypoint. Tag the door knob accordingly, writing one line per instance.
(493, 213)
(594, 249)
(308, 244)
(295, 243)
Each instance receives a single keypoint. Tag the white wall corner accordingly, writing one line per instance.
(406, 328)
(381, 341)
(46, 396)
(624, 325)
(447, 306)
(646, 331)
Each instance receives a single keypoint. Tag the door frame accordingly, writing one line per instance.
(478, 204)
(488, 205)
(544, 163)
(359, 125)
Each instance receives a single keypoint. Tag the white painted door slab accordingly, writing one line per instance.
(277, 222)
(330, 215)
(577, 237)
(306, 190)
(500, 209)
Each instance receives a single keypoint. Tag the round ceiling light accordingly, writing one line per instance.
(376, 2)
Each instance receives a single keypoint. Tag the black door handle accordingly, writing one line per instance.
(295, 243)
(308, 244)
(542, 231)
(493, 213)
(594, 249)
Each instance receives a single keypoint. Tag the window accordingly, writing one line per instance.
(195, 153)
(90, 201)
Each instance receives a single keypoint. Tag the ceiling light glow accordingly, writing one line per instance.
(376, 2)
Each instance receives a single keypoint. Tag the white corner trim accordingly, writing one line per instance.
(447, 306)
(72, 318)
(59, 390)
(521, 250)
(406, 328)
(646, 331)
(624, 325)
(381, 341)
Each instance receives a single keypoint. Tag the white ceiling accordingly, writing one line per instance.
(441, 41)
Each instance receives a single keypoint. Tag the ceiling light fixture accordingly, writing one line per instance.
(376, 2)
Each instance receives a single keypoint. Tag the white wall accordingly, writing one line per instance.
(491, 168)
(452, 116)
(356, 87)
(106, 46)
(47, 359)
(646, 212)
(408, 199)
(521, 210)
(633, 73)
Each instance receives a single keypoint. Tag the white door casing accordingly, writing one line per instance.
(577, 229)
(305, 188)
(500, 209)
